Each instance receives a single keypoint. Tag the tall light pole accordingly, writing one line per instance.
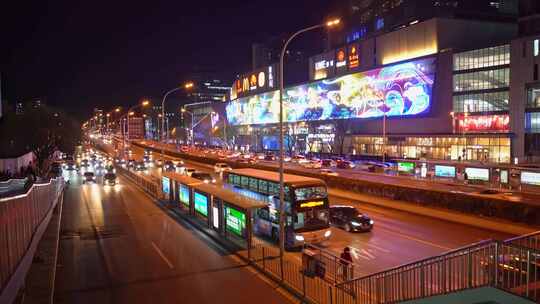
(194, 124)
(281, 148)
(129, 113)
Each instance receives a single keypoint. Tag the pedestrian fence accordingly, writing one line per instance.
(149, 185)
(12, 186)
(489, 263)
(531, 240)
(513, 266)
(22, 222)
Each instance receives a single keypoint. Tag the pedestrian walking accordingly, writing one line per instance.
(346, 261)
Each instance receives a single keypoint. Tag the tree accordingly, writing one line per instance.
(41, 130)
(341, 129)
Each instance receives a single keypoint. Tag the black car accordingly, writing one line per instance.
(109, 179)
(70, 166)
(140, 166)
(169, 166)
(350, 219)
(89, 177)
(131, 163)
(205, 177)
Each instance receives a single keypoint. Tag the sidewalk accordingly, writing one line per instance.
(40, 279)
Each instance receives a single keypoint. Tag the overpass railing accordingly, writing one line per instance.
(23, 219)
(505, 266)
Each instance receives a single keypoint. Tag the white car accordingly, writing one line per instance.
(221, 167)
(189, 171)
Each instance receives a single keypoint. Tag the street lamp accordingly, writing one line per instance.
(129, 113)
(329, 24)
(194, 124)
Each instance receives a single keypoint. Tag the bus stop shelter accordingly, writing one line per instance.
(212, 206)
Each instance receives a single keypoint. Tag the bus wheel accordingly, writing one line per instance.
(275, 235)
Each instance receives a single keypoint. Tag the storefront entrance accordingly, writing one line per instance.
(477, 153)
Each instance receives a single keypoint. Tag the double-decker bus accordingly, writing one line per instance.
(306, 205)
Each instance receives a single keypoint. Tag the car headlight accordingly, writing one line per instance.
(299, 238)
(328, 233)
(371, 222)
(206, 181)
(213, 180)
(356, 224)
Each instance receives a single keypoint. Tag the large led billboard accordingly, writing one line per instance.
(403, 89)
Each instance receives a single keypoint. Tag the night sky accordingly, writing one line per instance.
(81, 54)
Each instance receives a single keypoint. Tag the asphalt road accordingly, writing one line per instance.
(117, 246)
(397, 237)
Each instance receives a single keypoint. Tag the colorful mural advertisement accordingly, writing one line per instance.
(403, 89)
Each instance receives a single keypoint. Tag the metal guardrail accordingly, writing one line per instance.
(147, 184)
(489, 263)
(22, 222)
(12, 186)
(531, 240)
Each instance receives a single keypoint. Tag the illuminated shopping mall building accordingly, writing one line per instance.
(443, 88)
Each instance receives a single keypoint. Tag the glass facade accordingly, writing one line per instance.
(481, 102)
(532, 122)
(491, 149)
(482, 80)
(533, 98)
(482, 58)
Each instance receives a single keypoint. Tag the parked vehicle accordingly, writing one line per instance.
(350, 219)
(221, 167)
(328, 163)
(345, 164)
(328, 172)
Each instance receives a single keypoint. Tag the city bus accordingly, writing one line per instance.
(306, 205)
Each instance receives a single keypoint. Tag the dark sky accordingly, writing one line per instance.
(80, 54)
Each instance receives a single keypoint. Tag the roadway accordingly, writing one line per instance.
(397, 237)
(118, 246)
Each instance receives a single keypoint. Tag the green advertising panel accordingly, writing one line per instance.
(184, 194)
(406, 167)
(201, 203)
(236, 221)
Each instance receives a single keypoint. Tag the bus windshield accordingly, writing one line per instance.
(310, 220)
(308, 193)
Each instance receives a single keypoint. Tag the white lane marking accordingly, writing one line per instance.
(156, 248)
(378, 247)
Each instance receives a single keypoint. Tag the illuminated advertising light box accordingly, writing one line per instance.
(406, 167)
(257, 81)
(484, 123)
(400, 90)
(184, 194)
(236, 221)
(201, 203)
(445, 171)
(504, 176)
(341, 61)
(166, 182)
(481, 174)
(354, 60)
(530, 178)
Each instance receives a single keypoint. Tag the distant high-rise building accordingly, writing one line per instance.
(529, 17)
(365, 18)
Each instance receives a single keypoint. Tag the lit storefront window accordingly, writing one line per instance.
(482, 80)
(481, 102)
(489, 149)
(482, 58)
